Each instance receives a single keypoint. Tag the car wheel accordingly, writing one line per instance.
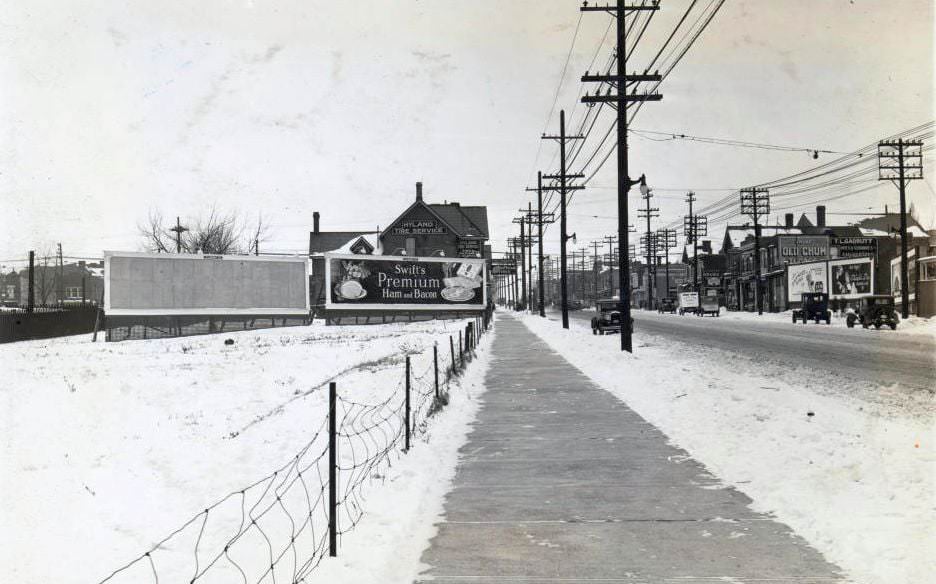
(794, 319)
(877, 326)
(893, 326)
(850, 323)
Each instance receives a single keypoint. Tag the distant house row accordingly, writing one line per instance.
(72, 282)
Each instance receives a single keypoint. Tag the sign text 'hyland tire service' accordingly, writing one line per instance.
(404, 283)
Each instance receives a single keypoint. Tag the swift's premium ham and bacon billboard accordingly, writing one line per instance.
(404, 283)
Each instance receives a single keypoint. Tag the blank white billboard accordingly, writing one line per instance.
(196, 284)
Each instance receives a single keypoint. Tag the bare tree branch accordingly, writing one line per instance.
(216, 233)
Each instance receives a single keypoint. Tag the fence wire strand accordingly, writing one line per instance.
(276, 529)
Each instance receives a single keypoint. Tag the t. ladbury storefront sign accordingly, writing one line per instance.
(404, 283)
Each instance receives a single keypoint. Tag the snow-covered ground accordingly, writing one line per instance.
(109, 447)
(855, 479)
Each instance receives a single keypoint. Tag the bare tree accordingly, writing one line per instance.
(155, 233)
(45, 276)
(216, 233)
(259, 234)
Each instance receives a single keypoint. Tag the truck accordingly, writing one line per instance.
(688, 302)
(709, 305)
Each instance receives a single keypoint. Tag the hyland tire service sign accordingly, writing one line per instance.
(851, 278)
(355, 282)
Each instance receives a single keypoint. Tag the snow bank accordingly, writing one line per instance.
(855, 481)
(109, 447)
(914, 325)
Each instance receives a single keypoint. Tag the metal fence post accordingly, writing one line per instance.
(407, 412)
(435, 366)
(461, 352)
(332, 471)
(452, 348)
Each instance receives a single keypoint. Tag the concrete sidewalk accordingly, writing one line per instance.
(561, 482)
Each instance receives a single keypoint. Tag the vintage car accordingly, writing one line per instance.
(667, 305)
(709, 305)
(607, 319)
(875, 311)
(813, 306)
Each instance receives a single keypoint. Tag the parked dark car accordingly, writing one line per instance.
(608, 318)
(875, 311)
(667, 305)
(815, 307)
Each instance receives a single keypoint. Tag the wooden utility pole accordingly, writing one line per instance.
(595, 266)
(901, 161)
(541, 219)
(179, 230)
(60, 275)
(695, 226)
(649, 213)
(610, 240)
(666, 240)
(31, 290)
(522, 245)
(621, 81)
(755, 202)
(563, 177)
(690, 236)
(539, 237)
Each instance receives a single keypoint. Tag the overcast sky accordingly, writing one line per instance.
(111, 108)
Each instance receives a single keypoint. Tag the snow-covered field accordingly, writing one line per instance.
(856, 479)
(109, 447)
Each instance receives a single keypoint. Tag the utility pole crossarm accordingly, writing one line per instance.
(618, 79)
(614, 9)
(631, 97)
(559, 176)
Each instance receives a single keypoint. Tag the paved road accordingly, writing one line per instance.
(561, 482)
(868, 355)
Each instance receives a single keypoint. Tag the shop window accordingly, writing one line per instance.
(928, 270)
(73, 292)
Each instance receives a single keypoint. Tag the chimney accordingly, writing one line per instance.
(315, 222)
(789, 220)
(820, 216)
(419, 191)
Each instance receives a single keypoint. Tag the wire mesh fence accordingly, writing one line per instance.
(125, 328)
(280, 527)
